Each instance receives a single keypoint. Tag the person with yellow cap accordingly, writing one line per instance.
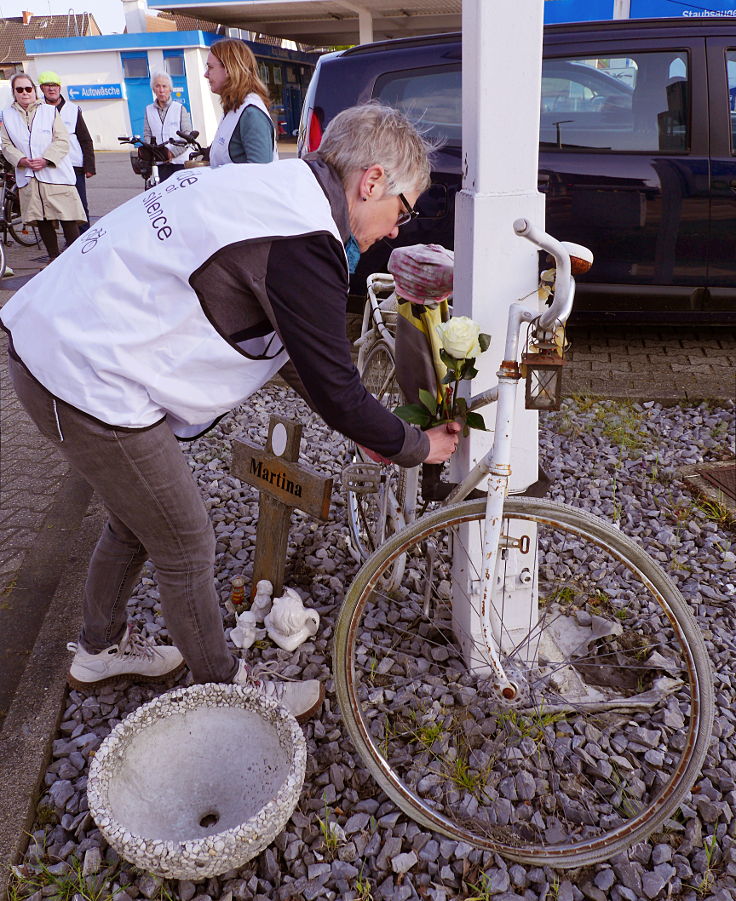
(81, 150)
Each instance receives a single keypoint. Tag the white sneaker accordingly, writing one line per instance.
(133, 657)
(302, 698)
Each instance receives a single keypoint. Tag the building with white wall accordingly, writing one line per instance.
(109, 76)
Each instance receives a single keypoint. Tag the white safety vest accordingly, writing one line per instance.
(69, 113)
(167, 129)
(32, 142)
(219, 155)
(114, 328)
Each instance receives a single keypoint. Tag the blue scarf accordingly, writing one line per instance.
(353, 254)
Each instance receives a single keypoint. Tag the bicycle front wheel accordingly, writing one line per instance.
(615, 699)
(27, 235)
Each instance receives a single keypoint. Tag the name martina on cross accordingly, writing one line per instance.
(277, 478)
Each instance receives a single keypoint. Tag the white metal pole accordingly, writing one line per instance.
(621, 9)
(502, 59)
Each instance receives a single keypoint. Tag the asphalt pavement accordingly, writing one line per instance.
(49, 520)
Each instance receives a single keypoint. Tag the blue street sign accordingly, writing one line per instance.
(95, 92)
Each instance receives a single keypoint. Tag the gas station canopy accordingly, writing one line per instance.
(325, 23)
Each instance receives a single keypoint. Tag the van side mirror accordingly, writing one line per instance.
(434, 203)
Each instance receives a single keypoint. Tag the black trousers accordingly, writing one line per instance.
(82, 191)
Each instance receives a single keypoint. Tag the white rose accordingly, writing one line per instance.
(459, 337)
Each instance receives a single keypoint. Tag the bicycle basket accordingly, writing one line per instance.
(155, 154)
(139, 167)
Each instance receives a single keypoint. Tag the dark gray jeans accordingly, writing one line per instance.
(156, 511)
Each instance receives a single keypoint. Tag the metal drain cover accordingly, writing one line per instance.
(715, 481)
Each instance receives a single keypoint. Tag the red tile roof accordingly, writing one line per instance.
(13, 32)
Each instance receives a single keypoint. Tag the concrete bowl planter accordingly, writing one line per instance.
(198, 781)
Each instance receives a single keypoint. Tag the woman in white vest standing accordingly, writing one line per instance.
(82, 150)
(36, 141)
(164, 117)
(246, 133)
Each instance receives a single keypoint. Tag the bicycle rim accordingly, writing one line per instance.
(27, 235)
(367, 518)
(615, 704)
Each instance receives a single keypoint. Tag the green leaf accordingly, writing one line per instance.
(449, 361)
(484, 341)
(462, 406)
(429, 400)
(415, 414)
(449, 378)
(476, 421)
(469, 372)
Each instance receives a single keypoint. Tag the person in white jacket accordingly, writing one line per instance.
(245, 133)
(164, 118)
(82, 150)
(172, 310)
(35, 140)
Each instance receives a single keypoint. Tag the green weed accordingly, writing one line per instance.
(26, 880)
(716, 511)
(363, 888)
(483, 889)
(330, 831)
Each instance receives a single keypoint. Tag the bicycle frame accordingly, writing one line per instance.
(496, 464)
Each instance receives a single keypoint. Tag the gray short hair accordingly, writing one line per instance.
(372, 134)
(161, 76)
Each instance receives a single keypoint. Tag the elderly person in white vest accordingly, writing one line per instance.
(246, 133)
(172, 310)
(35, 140)
(81, 147)
(164, 117)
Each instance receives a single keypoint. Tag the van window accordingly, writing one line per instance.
(731, 68)
(633, 103)
(431, 97)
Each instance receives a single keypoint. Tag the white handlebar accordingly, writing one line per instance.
(564, 282)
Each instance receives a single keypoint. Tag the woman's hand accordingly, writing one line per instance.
(443, 441)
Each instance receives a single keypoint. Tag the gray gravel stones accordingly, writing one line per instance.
(618, 461)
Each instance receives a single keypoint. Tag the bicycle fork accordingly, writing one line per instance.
(497, 464)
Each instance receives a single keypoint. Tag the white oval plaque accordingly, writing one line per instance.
(278, 439)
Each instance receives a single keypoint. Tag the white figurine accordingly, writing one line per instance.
(290, 623)
(244, 634)
(262, 601)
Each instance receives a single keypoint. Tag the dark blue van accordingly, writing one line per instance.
(637, 153)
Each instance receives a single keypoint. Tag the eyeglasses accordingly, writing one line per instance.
(20, 89)
(409, 213)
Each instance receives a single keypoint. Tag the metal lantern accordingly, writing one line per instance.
(543, 379)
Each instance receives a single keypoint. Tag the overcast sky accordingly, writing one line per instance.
(108, 13)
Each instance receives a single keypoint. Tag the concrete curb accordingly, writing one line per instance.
(32, 720)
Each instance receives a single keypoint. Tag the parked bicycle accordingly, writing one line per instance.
(11, 222)
(516, 673)
(148, 156)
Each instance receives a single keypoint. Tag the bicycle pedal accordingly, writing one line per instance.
(362, 478)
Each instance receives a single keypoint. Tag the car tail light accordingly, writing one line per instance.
(314, 132)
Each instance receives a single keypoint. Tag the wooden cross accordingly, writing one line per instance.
(283, 484)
